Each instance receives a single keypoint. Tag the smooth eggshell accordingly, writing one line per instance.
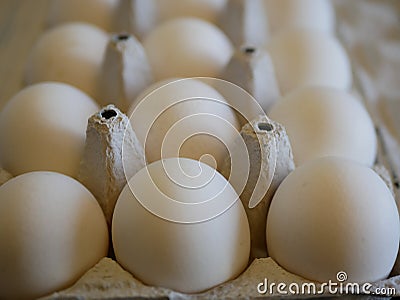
(187, 47)
(333, 215)
(324, 121)
(307, 57)
(208, 10)
(97, 12)
(164, 121)
(43, 127)
(71, 53)
(173, 242)
(52, 231)
(307, 14)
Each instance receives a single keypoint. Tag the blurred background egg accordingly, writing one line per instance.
(180, 224)
(308, 57)
(71, 53)
(184, 118)
(43, 127)
(187, 47)
(97, 12)
(52, 231)
(307, 14)
(208, 10)
(332, 215)
(323, 121)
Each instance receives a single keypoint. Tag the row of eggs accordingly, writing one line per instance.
(281, 14)
(54, 118)
(44, 124)
(186, 47)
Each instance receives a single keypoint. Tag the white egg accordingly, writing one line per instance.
(307, 14)
(306, 57)
(71, 53)
(187, 47)
(52, 231)
(180, 224)
(333, 215)
(323, 121)
(43, 127)
(205, 9)
(185, 118)
(97, 12)
(148, 90)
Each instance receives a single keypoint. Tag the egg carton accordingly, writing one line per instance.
(108, 280)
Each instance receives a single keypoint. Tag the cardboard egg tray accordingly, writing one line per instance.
(108, 280)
